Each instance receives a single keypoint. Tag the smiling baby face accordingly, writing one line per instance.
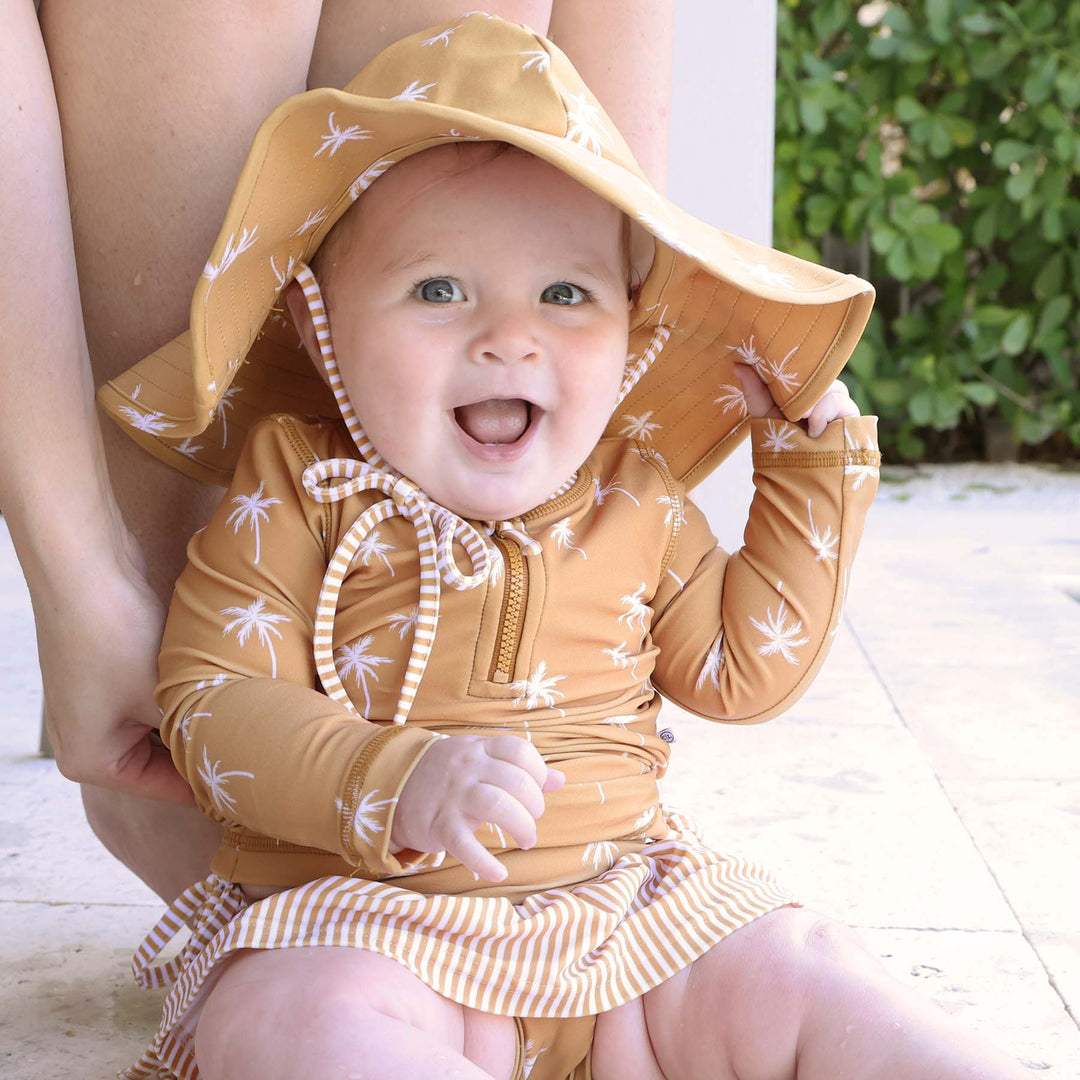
(477, 301)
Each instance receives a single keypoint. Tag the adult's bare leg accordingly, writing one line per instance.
(158, 104)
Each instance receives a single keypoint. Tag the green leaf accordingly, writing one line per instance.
(1053, 314)
(1018, 186)
(984, 230)
(908, 109)
(899, 262)
(1051, 277)
(1016, 335)
(979, 392)
(1053, 226)
(943, 236)
(863, 361)
(888, 391)
(812, 115)
(1010, 152)
(990, 280)
(1040, 82)
(1068, 86)
(921, 407)
(979, 24)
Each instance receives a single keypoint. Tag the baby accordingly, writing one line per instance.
(457, 788)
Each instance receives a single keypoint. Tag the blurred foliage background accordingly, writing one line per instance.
(931, 146)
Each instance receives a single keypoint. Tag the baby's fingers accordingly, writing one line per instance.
(496, 806)
(464, 846)
(836, 403)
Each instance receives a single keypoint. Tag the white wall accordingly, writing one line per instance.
(721, 165)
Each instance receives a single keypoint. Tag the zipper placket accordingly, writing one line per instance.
(512, 615)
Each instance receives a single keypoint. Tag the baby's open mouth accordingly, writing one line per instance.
(497, 421)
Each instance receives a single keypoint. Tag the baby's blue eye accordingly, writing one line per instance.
(562, 292)
(439, 291)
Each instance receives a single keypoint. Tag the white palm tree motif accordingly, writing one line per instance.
(282, 276)
(537, 59)
(763, 273)
(860, 472)
(731, 397)
(636, 609)
(250, 510)
(774, 372)
(404, 623)
(153, 423)
(843, 601)
(444, 37)
(642, 824)
(216, 780)
(186, 448)
(531, 1055)
(414, 92)
(714, 661)
(263, 623)
(619, 721)
(746, 350)
(604, 490)
(778, 436)
(314, 219)
(337, 137)
(368, 177)
(649, 454)
(538, 690)
(583, 123)
(234, 248)
(223, 406)
(601, 853)
(663, 232)
(365, 824)
(622, 658)
(638, 427)
(371, 547)
(779, 636)
(136, 392)
(185, 724)
(822, 543)
(360, 665)
(563, 535)
(217, 680)
(674, 506)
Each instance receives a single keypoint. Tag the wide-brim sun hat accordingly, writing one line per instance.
(710, 300)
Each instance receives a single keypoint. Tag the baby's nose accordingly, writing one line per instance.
(506, 339)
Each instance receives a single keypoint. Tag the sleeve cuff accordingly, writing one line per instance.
(848, 442)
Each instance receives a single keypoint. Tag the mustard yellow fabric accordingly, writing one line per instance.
(630, 598)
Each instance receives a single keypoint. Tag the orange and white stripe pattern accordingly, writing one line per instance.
(561, 952)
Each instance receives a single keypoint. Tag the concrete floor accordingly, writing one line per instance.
(926, 790)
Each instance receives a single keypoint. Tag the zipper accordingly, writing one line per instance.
(512, 615)
(308, 456)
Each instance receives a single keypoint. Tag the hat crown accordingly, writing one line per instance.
(503, 71)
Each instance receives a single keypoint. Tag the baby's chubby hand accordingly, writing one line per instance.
(836, 402)
(464, 781)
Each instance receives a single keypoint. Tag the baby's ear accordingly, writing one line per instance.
(301, 317)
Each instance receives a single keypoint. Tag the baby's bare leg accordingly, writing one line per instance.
(790, 995)
(343, 1014)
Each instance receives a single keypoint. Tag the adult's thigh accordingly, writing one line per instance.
(158, 105)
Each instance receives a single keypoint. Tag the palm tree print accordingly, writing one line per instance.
(638, 427)
(360, 665)
(223, 406)
(604, 490)
(778, 436)
(404, 623)
(263, 623)
(714, 661)
(250, 510)
(444, 37)
(153, 423)
(538, 690)
(583, 123)
(282, 277)
(746, 350)
(234, 248)
(337, 137)
(368, 177)
(601, 853)
(216, 781)
(414, 92)
(674, 506)
(622, 658)
(774, 372)
(779, 636)
(186, 448)
(764, 274)
(731, 397)
(185, 724)
(365, 819)
(636, 609)
(860, 472)
(371, 547)
(217, 680)
(531, 1055)
(538, 60)
(563, 535)
(822, 543)
(314, 219)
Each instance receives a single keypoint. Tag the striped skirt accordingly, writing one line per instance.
(565, 951)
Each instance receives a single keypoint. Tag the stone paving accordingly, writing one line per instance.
(926, 789)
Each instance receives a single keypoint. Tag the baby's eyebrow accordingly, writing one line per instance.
(405, 262)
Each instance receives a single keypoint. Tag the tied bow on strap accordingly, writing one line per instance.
(436, 528)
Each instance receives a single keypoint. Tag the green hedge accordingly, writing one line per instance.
(932, 146)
